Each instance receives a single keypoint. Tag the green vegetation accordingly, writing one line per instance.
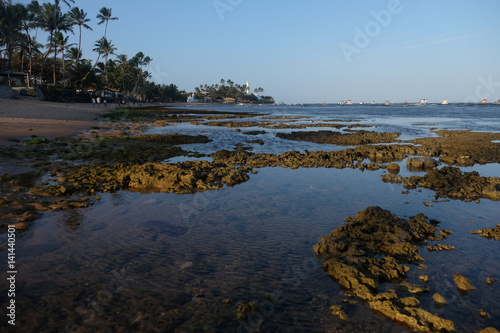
(59, 67)
(229, 89)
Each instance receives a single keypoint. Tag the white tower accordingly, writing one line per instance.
(247, 90)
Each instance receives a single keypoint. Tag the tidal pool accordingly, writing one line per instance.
(163, 262)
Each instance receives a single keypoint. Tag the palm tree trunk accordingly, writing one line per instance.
(80, 43)
(106, 69)
(10, 49)
(46, 56)
(64, 69)
(55, 62)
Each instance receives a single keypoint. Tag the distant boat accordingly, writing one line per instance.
(445, 102)
(348, 102)
(405, 102)
(323, 103)
(361, 102)
(387, 103)
(373, 102)
(423, 101)
(484, 101)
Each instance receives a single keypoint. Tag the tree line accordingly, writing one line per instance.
(230, 89)
(59, 63)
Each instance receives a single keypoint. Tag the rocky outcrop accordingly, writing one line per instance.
(351, 157)
(450, 182)
(464, 148)
(418, 164)
(490, 233)
(372, 249)
(187, 177)
(462, 282)
(392, 178)
(337, 138)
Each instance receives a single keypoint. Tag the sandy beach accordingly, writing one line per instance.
(22, 119)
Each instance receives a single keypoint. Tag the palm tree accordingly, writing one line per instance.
(11, 18)
(83, 75)
(104, 47)
(57, 2)
(62, 45)
(52, 20)
(105, 16)
(79, 17)
(73, 55)
(138, 62)
(29, 22)
(124, 68)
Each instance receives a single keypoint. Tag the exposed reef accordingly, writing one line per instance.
(374, 248)
(464, 148)
(337, 138)
(450, 182)
(186, 177)
(490, 233)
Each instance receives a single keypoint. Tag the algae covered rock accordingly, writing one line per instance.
(438, 299)
(450, 182)
(489, 330)
(462, 282)
(337, 138)
(187, 177)
(418, 164)
(372, 249)
(490, 233)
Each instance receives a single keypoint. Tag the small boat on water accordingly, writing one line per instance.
(387, 103)
(361, 103)
(484, 101)
(445, 102)
(423, 101)
(348, 102)
(373, 102)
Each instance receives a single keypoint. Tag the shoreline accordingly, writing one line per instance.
(22, 119)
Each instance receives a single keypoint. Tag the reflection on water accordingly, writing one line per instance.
(167, 262)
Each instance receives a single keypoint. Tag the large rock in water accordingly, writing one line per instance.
(371, 249)
(452, 183)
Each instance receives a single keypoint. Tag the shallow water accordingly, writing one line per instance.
(411, 121)
(164, 262)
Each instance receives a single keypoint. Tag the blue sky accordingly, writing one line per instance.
(296, 50)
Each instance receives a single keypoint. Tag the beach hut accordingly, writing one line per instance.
(9, 76)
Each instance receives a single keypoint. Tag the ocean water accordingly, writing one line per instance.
(163, 262)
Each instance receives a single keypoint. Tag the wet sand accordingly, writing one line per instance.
(21, 119)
